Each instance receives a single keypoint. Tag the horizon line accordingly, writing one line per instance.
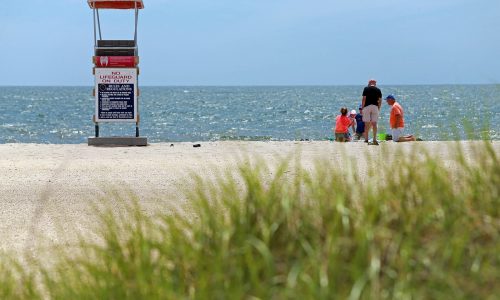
(263, 85)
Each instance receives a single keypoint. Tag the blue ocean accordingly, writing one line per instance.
(63, 115)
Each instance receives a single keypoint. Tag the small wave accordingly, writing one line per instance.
(430, 126)
(11, 125)
(244, 138)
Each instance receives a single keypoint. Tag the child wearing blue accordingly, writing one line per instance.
(360, 125)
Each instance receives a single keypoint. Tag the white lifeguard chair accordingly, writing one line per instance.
(116, 70)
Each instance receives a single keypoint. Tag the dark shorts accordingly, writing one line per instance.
(342, 137)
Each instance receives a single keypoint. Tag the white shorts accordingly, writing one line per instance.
(397, 133)
(370, 113)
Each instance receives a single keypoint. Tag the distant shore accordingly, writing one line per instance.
(46, 190)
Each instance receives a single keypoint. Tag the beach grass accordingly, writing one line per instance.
(413, 228)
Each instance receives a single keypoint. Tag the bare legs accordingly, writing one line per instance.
(406, 138)
(369, 125)
(374, 124)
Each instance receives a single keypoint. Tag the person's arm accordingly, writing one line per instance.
(347, 123)
(398, 116)
(363, 100)
(398, 119)
(379, 99)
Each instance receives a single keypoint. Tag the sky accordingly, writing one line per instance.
(260, 42)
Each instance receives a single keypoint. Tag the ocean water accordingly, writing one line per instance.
(60, 115)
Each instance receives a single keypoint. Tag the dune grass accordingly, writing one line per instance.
(415, 229)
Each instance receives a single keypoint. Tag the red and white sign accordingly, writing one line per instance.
(116, 61)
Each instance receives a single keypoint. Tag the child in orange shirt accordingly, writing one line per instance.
(342, 123)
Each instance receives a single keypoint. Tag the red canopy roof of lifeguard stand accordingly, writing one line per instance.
(116, 4)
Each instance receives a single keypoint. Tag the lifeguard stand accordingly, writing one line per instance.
(116, 70)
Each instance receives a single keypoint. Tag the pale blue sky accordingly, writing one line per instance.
(260, 42)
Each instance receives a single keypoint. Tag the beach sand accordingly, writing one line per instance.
(46, 191)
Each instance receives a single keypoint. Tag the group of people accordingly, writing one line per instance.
(368, 116)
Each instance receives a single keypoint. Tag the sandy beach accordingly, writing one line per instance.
(46, 190)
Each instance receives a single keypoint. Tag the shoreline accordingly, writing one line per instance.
(46, 190)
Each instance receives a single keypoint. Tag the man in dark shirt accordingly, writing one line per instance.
(372, 100)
